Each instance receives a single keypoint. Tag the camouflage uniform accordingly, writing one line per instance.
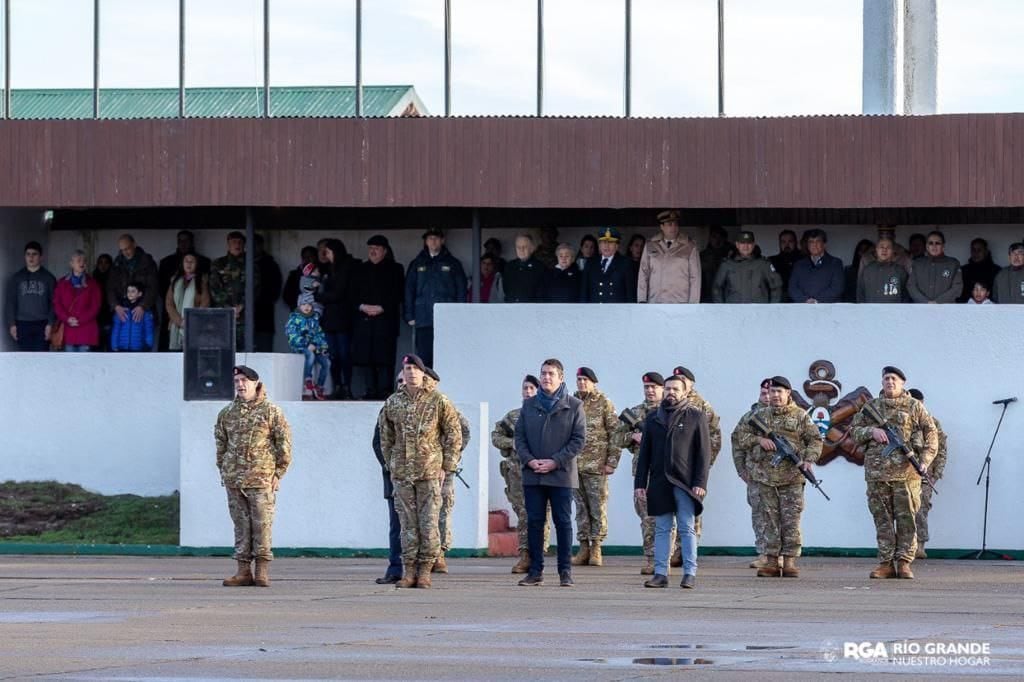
(503, 437)
(598, 451)
(695, 399)
(935, 470)
(227, 289)
(254, 445)
(780, 488)
(893, 487)
(420, 437)
(739, 459)
(623, 439)
(444, 528)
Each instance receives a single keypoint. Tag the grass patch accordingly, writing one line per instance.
(50, 512)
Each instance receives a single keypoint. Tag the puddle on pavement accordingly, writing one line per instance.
(653, 660)
(723, 647)
(60, 617)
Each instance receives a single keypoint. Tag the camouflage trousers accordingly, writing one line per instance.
(922, 513)
(419, 505)
(513, 475)
(444, 526)
(592, 508)
(252, 513)
(894, 505)
(756, 516)
(646, 523)
(781, 507)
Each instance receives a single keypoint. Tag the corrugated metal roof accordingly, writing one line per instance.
(128, 103)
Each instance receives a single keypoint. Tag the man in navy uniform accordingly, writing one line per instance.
(611, 280)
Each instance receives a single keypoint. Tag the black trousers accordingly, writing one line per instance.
(32, 336)
(425, 345)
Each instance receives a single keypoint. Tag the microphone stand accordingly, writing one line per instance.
(986, 471)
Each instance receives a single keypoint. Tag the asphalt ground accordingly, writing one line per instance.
(141, 618)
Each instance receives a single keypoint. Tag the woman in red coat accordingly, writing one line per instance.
(76, 303)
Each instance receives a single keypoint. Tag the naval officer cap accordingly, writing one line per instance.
(609, 234)
(670, 216)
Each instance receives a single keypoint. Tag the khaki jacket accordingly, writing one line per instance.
(669, 275)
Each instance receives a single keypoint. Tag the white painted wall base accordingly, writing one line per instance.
(333, 494)
(962, 357)
(107, 421)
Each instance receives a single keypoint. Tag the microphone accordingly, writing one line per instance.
(1005, 401)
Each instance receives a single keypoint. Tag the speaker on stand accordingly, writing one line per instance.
(209, 353)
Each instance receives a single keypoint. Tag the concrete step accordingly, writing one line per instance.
(505, 543)
(497, 521)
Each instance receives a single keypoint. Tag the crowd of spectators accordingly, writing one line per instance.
(347, 313)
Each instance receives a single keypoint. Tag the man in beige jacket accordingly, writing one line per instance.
(670, 265)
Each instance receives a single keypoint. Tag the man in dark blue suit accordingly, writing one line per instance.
(610, 279)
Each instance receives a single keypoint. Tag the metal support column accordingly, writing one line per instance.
(540, 57)
(477, 248)
(249, 313)
(359, 58)
(627, 62)
(96, 59)
(447, 57)
(181, 58)
(7, 58)
(721, 57)
(266, 58)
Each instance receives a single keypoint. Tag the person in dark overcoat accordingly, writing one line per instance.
(377, 291)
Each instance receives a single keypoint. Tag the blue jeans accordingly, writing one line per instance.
(684, 518)
(537, 499)
(312, 359)
(68, 348)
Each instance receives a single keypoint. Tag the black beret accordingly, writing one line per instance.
(889, 369)
(653, 378)
(916, 394)
(681, 371)
(429, 371)
(378, 240)
(415, 361)
(766, 383)
(248, 372)
(530, 379)
(780, 382)
(587, 372)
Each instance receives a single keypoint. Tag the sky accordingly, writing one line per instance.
(783, 57)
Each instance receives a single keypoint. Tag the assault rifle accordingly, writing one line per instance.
(632, 419)
(897, 446)
(784, 451)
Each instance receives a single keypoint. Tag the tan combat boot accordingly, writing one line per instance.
(883, 570)
(440, 566)
(262, 577)
(771, 569)
(423, 575)
(648, 568)
(920, 553)
(759, 562)
(582, 557)
(242, 577)
(903, 570)
(408, 576)
(595, 554)
(789, 569)
(523, 565)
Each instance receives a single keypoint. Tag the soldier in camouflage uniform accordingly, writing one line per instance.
(893, 487)
(503, 437)
(448, 491)
(420, 436)
(227, 283)
(596, 463)
(935, 471)
(739, 459)
(781, 487)
(629, 437)
(691, 398)
(254, 450)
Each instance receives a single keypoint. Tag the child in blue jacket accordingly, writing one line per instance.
(128, 334)
(307, 337)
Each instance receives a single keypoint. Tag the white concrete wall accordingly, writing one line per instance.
(962, 357)
(107, 421)
(333, 494)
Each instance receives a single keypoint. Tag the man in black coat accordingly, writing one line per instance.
(266, 298)
(523, 278)
(549, 436)
(434, 276)
(610, 279)
(378, 288)
(672, 475)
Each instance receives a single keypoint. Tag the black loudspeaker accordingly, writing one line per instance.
(209, 353)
